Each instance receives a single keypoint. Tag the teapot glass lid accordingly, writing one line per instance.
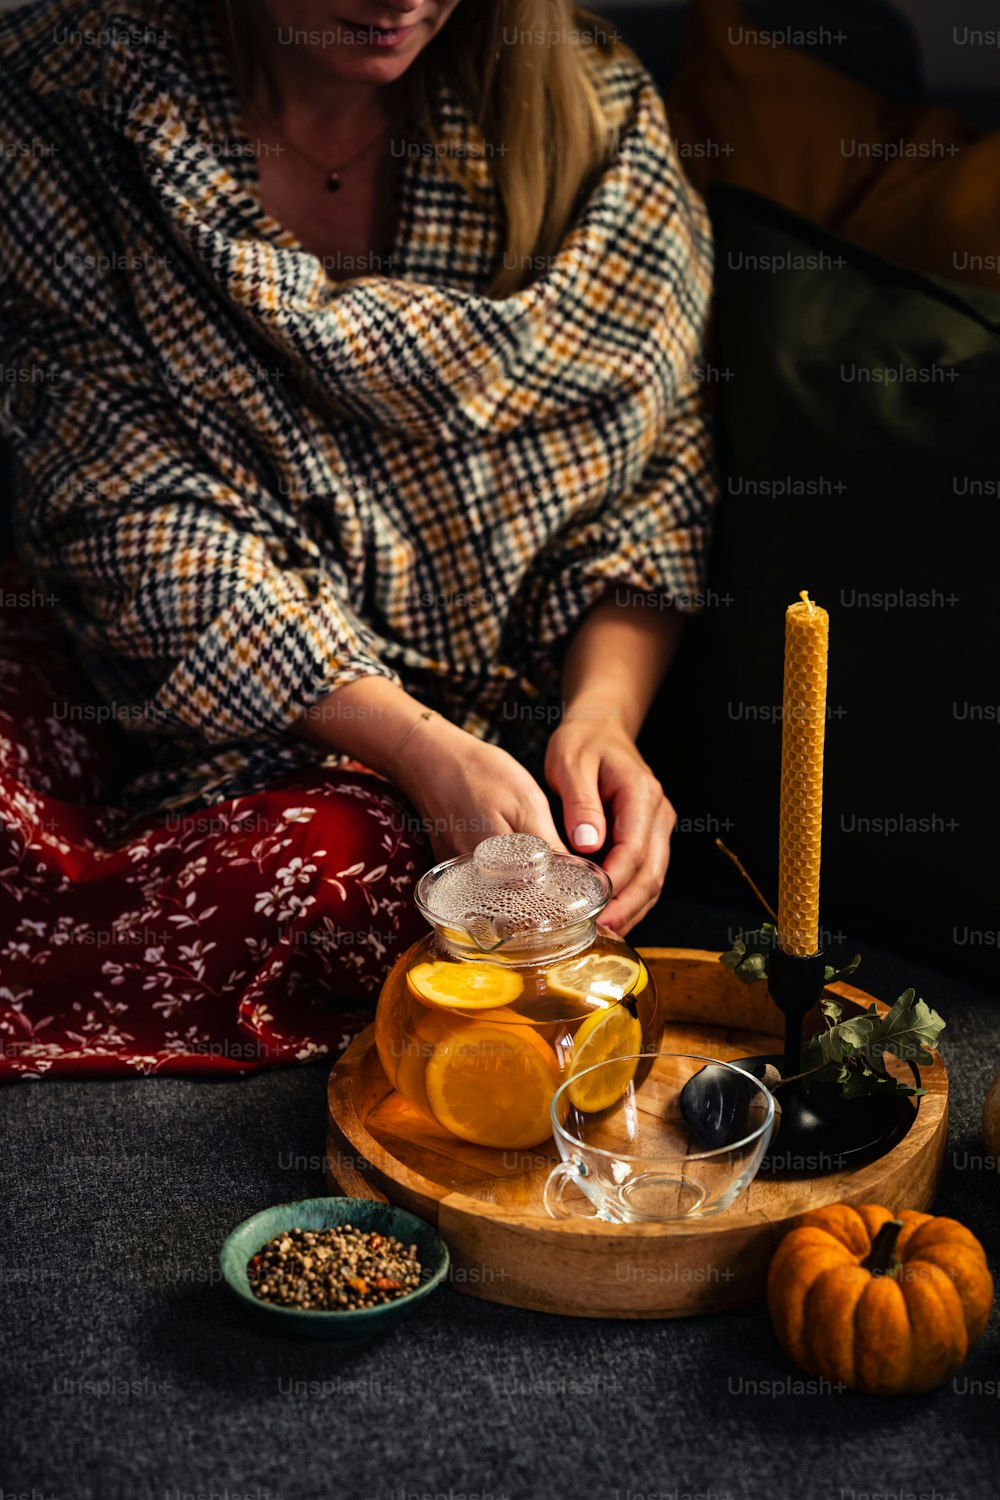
(511, 888)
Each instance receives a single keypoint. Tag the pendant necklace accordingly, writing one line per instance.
(332, 174)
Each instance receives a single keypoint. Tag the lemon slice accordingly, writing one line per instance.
(601, 976)
(464, 986)
(607, 1036)
(493, 1085)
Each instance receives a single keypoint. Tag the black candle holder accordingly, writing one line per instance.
(819, 1130)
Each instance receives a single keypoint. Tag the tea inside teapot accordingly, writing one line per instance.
(515, 990)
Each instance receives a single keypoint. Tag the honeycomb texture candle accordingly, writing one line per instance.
(807, 630)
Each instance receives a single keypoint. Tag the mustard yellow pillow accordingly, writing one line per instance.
(917, 185)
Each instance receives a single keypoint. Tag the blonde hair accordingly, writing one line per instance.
(524, 70)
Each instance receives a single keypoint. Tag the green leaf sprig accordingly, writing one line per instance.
(849, 1053)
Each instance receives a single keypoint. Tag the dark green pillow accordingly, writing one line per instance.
(858, 406)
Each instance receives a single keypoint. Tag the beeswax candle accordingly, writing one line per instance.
(807, 629)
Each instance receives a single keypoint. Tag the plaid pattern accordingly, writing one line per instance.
(249, 484)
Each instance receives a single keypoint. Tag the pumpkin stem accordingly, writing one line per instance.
(881, 1261)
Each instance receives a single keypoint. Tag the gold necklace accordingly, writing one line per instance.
(331, 173)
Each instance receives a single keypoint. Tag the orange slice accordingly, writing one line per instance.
(607, 1036)
(464, 986)
(417, 1051)
(493, 1085)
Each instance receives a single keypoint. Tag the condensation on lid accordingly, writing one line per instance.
(513, 883)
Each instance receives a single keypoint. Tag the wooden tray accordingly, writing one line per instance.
(505, 1248)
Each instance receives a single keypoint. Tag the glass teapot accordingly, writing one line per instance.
(516, 990)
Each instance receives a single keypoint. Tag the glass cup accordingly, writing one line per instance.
(638, 1157)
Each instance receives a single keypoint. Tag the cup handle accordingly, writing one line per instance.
(562, 1174)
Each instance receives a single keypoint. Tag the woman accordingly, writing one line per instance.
(369, 433)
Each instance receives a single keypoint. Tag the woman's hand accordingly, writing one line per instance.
(596, 767)
(615, 660)
(465, 790)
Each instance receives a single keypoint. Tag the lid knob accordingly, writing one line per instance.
(513, 858)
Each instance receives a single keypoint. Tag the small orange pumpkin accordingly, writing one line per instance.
(883, 1304)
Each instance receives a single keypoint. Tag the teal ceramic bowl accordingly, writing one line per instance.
(352, 1326)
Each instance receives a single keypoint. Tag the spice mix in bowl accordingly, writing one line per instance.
(336, 1268)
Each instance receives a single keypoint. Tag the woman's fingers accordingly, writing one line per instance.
(658, 860)
(466, 790)
(540, 823)
(590, 777)
(637, 863)
(572, 775)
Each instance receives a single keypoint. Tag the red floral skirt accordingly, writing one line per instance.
(242, 935)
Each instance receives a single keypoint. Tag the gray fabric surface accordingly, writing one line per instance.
(119, 1194)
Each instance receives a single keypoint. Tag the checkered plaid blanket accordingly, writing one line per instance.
(248, 482)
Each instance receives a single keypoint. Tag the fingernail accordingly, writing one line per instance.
(586, 836)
